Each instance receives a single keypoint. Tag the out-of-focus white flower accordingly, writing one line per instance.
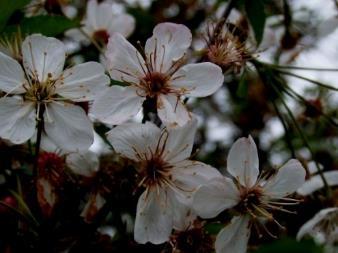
(42, 7)
(251, 197)
(85, 164)
(158, 74)
(43, 85)
(323, 228)
(166, 173)
(316, 183)
(101, 22)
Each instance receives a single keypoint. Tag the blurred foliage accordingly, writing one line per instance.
(7, 8)
(46, 25)
(290, 246)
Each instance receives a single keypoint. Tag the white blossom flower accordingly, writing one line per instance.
(85, 163)
(43, 85)
(251, 197)
(158, 74)
(315, 182)
(101, 22)
(166, 173)
(323, 227)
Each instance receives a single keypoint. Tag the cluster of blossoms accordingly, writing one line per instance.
(44, 100)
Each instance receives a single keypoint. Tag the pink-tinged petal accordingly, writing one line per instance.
(135, 141)
(85, 163)
(92, 207)
(180, 142)
(154, 217)
(214, 197)
(46, 196)
(12, 77)
(316, 183)
(243, 161)
(123, 24)
(17, 119)
(234, 237)
(171, 111)
(117, 104)
(43, 57)
(82, 82)
(168, 44)
(198, 80)
(188, 175)
(124, 62)
(68, 127)
(288, 179)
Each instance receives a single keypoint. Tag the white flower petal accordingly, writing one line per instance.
(315, 183)
(12, 76)
(214, 197)
(78, 36)
(168, 44)
(180, 142)
(183, 216)
(134, 141)
(43, 57)
(48, 145)
(68, 127)
(123, 24)
(124, 62)
(117, 104)
(310, 227)
(84, 164)
(243, 161)
(82, 82)
(154, 219)
(17, 119)
(101, 15)
(91, 11)
(234, 237)
(188, 175)
(198, 80)
(288, 179)
(171, 111)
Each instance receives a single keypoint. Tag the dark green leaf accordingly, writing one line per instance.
(242, 89)
(213, 228)
(8, 7)
(256, 15)
(290, 246)
(46, 25)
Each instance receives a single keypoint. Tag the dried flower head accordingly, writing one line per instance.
(225, 48)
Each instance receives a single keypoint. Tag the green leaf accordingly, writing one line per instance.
(8, 7)
(46, 25)
(242, 89)
(256, 15)
(290, 246)
(213, 228)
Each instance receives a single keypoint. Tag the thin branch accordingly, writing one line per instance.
(305, 141)
(308, 79)
(287, 136)
(276, 66)
(298, 97)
